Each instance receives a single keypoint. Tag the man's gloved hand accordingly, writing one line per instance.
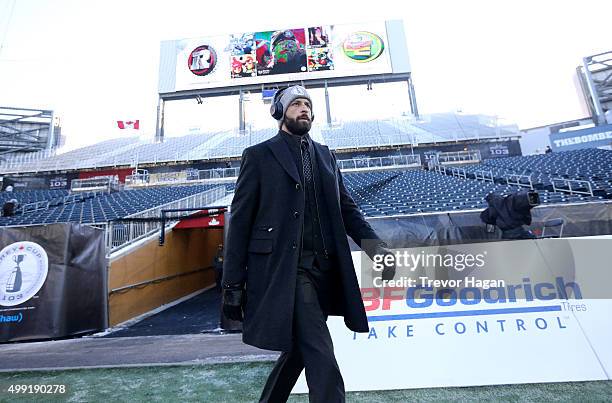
(234, 299)
(388, 271)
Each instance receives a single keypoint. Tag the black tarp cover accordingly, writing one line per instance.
(72, 298)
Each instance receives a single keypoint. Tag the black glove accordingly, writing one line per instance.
(388, 271)
(234, 299)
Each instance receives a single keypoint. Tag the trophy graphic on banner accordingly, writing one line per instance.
(13, 284)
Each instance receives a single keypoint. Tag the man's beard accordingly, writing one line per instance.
(299, 127)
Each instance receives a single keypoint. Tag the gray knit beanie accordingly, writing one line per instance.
(287, 97)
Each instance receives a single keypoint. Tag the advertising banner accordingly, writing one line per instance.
(526, 311)
(291, 53)
(121, 173)
(62, 181)
(52, 282)
(24, 182)
(599, 136)
(164, 177)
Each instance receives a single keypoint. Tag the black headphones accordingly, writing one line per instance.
(276, 109)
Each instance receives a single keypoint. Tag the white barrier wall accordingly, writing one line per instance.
(478, 341)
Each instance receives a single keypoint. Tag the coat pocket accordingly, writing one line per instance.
(260, 246)
(262, 232)
(266, 228)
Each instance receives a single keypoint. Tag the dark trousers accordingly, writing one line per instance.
(312, 349)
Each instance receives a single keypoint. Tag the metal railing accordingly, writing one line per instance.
(459, 156)
(358, 141)
(168, 177)
(568, 183)
(437, 168)
(96, 183)
(137, 179)
(56, 201)
(218, 173)
(458, 172)
(378, 162)
(181, 177)
(514, 179)
(232, 173)
(34, 206)
(486, 176)
(124, 232)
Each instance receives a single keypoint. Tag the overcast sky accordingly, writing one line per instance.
(97, 62)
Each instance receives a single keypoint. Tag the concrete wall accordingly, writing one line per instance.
(184, 251)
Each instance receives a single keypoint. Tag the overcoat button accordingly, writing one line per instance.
(297, 186)
(296, 214)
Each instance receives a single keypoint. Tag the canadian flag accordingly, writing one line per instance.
(129, 124)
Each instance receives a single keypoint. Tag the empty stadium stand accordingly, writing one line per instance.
(85, 157)
(102, 207)
(131, 151)
(32, 196)
(235, 143)
(434, 128)
(377, 193)
(171, 150)
(592, 165)
(415, 191)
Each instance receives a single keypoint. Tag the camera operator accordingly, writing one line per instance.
(510, 213)
(9, 207)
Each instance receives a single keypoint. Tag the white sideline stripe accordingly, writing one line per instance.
(206, 361)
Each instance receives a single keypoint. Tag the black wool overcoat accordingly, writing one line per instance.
(263, 242)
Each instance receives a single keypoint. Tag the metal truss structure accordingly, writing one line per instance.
(24, 130)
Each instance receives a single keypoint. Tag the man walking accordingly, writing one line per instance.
(288, 264)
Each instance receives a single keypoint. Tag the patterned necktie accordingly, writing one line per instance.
(306, 161)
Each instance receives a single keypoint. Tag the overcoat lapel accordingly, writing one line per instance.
(326, 172)
(282, 153)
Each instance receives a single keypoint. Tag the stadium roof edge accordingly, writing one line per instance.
(566, 122)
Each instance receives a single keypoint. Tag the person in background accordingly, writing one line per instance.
(217, 264)
(9, 208)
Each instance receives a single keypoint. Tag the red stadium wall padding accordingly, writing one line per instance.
(212, 220)
(122, 173)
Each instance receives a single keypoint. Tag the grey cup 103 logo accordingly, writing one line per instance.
(23, 271)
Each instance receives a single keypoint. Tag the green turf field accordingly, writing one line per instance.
(242, 382)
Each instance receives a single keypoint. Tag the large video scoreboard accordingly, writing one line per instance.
(287, 54)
